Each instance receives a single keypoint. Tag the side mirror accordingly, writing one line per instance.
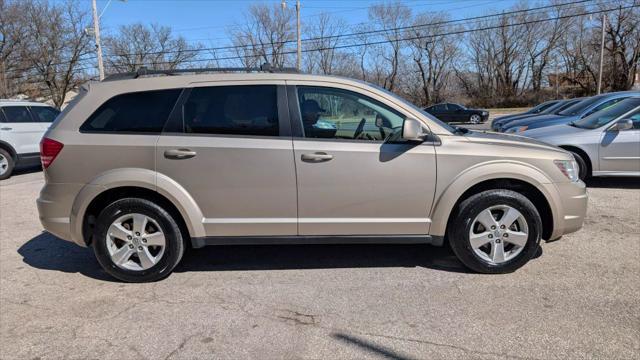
(413, 130)
(621, 125)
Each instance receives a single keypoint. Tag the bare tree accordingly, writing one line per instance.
(55, 41)
(389, 18)
(320, 50)
(433, 53)
(622, 46)
(153, 46)
(12, 28)
(264, 36)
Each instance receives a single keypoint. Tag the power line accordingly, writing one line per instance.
(387, 41)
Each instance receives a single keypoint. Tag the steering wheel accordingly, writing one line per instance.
(359, 129)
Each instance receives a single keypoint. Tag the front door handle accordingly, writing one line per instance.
(317, 157)
(179, 154)
(6, 128)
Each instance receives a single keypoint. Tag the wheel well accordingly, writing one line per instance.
(9, 149)
(531, 192)
(107, 197)
(582, 154)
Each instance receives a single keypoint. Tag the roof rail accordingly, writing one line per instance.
(143, 71)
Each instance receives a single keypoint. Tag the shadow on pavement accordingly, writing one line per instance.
(26, 170)
(47, 252)
(369, 347)
(614, 182)
(286, 257)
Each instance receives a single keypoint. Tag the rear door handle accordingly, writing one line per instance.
(179, 154)
(6, 128)
(317, 157)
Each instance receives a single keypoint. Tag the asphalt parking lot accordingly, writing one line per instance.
(579, 298)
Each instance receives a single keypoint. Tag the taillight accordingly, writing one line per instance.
(49, 149)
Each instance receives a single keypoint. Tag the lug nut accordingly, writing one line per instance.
(144, 240)
(140, 248)
(501, 226)
(497, 241)
(505, 235)
(137, 234)
(490, 236)
(128, 237)
(493, 227)
(130, 246)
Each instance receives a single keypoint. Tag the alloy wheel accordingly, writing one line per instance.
(4, 164)
(135, 242)
(498, 234)
(475, 119)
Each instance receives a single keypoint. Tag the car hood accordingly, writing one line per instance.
(555, 131)
(507, 139)
(535, 119)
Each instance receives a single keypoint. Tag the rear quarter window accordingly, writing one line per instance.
(44, 113)
(2, 118)
(139, 112)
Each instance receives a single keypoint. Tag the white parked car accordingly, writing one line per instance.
(22, 125)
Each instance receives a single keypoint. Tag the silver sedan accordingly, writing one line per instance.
(606, 143)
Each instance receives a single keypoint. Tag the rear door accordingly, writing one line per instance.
(230, 147)
(21, 130)
(620, 150)
(352, 179)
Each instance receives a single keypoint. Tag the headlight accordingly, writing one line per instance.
(569, 168)
(517, 129)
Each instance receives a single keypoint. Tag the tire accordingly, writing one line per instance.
(158, 219)
(475, 119)
(460, 231)
(583, 168)
(7, 164)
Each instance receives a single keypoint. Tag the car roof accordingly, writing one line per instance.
(7, 102)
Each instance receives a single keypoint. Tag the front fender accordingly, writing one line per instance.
(141, 178)
(493, 170)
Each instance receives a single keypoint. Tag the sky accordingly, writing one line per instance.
(208, 21)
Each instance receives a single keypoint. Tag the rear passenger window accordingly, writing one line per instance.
(232, 110)
(2, 118)
(139, 112)
(17, 114)
(44, 113)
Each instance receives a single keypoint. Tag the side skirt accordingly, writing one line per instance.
(199, 242)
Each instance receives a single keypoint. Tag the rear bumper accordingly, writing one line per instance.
(572, 208)
(54, 208)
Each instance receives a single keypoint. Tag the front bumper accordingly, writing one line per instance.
(572, 208)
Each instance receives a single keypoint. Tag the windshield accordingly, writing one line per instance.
(401, 99)
(579, 107)
(605, 116)
(542, 107)
(562, 106)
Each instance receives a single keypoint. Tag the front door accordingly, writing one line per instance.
(620, 150)
(352, 180)
(230, 148)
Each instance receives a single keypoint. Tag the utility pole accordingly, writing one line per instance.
(299, 59)
(299, 41)
(604, 21)
(96, 32)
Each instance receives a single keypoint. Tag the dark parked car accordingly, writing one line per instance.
(501, 123)
(533, 111)
(449, 112)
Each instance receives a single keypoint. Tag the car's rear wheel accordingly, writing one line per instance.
(136, 240)
(583, 169)
(6, 164)
(495, 231)
(475, 119)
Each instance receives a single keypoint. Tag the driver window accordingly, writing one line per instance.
(340, 114)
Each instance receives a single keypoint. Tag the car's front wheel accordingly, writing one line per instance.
(475, 119)
(495, 231)
(6, 164)
(136, 240)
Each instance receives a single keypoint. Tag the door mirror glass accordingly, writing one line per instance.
(413, 130)
(621, 125)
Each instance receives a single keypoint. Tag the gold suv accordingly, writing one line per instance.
(141, 167)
